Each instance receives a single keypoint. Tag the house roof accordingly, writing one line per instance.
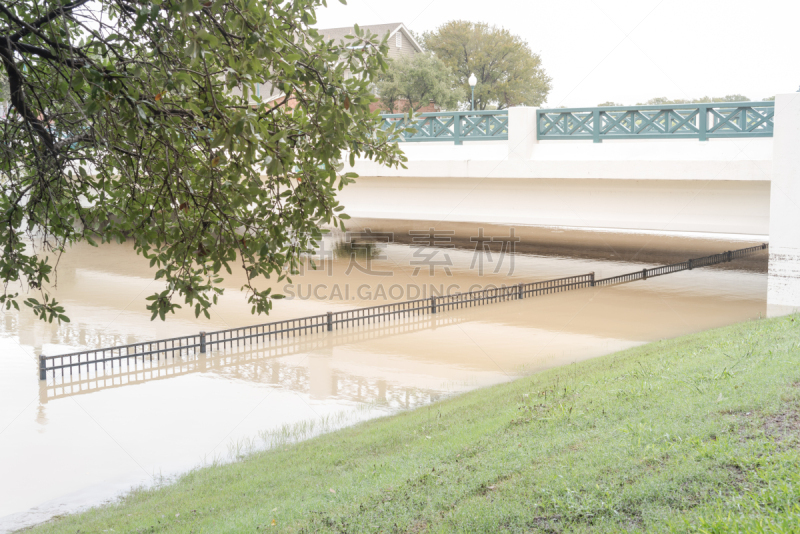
(337, 34)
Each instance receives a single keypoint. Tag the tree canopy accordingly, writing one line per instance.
(135, 119)
(411, 82)
(508, 72)
(660, 101)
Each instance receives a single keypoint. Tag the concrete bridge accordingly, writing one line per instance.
(729, 170)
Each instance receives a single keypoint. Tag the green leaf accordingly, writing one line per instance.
(92, 107)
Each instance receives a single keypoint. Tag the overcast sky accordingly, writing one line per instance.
(625, 51)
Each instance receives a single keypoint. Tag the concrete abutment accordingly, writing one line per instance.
(783, 292)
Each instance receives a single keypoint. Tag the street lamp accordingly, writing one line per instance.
(473, 81)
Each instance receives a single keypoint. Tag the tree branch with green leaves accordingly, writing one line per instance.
(136, 120)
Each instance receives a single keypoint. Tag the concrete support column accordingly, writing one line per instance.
(783, 293)
(521, 132)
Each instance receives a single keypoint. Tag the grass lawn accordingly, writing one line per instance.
(695, 434)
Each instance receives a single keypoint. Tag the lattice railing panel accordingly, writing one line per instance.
(742, 120)
(698, 121)
(576, 124)
(456, 126)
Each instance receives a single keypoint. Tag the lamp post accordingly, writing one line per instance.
(473, 81)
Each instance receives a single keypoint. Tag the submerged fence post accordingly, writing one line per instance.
(202, 342)
(42, 370)
(330, 321)
(433, 304)
(519, 291)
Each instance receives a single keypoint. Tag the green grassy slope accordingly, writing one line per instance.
(698, 433)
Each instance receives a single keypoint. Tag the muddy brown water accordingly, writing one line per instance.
(73, 442)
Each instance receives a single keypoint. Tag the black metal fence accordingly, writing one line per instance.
(101, 359)
(687, 265)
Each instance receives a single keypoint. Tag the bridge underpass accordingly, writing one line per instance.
(704, 170)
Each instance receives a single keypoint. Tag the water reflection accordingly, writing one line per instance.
(265, 363)
(78, 439)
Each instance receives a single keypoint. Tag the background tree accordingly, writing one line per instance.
(127, 124)
(660, 101)
(508, 72)
(726, 98)
(411, 82)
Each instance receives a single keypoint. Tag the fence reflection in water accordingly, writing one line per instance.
(249, 359)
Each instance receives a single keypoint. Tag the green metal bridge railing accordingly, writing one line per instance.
(673, 121)
(453, 126)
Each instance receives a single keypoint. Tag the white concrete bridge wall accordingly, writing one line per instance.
(717, 186)
(711, 206)
(656, 159)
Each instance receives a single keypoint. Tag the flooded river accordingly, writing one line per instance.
(72, 442)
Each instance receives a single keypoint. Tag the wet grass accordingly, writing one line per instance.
(291, 433)
(695, 434)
